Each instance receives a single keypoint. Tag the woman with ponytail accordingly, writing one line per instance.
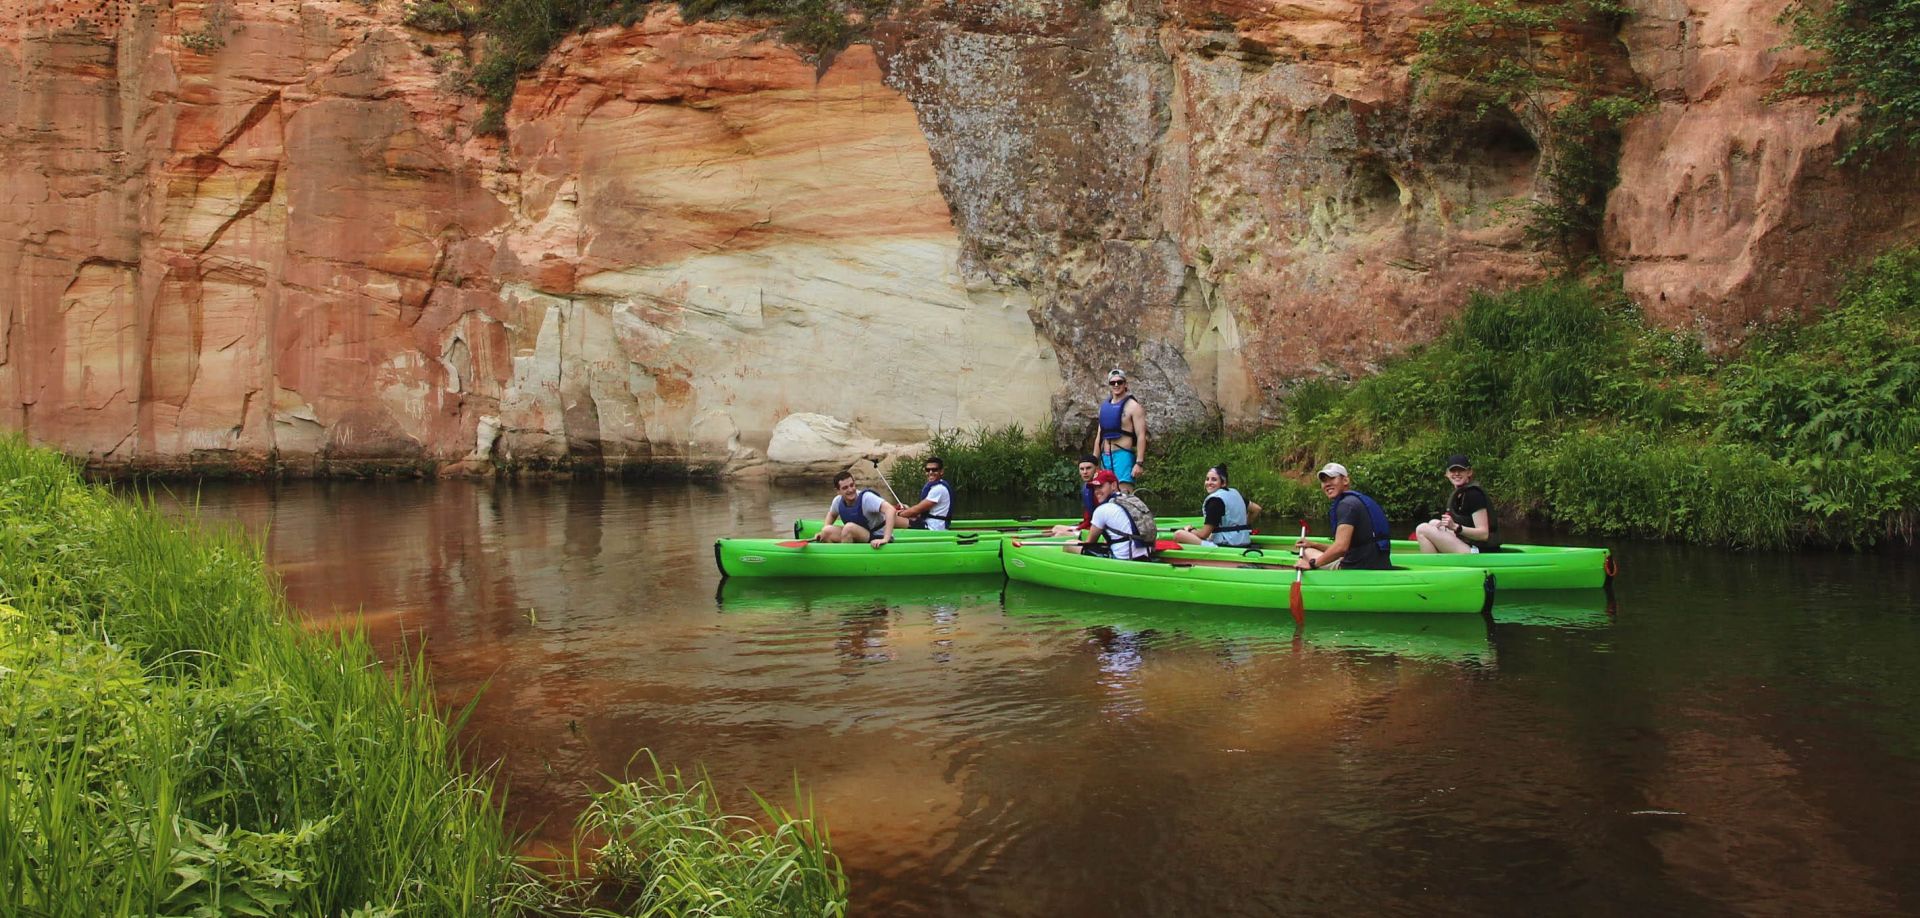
(1228, 515)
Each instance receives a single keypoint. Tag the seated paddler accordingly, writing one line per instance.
(857, 515)
(1123, 527)
(935, 509)
(1358, 524)
(1088, 466)
(1227, 516)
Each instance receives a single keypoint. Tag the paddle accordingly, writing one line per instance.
(1158, 545)
(1297, 603)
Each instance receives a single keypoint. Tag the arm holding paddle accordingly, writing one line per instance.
(1313, 557)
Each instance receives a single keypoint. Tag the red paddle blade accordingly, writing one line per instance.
(793, 543)
(1297, 604)
(1166, 544)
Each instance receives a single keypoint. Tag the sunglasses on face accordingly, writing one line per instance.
(932, 470)
(1117, 382)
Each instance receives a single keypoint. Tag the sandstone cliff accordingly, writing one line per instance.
(246, 233)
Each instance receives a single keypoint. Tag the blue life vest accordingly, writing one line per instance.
(1375, 515)
(920, 522)
(855, 515)
(1111, 414)
(1233, 529)
(1086, 499)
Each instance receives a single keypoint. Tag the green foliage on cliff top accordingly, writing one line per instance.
(1576, 412)
(1523, 57)
(517, 35)
(175, 744)
(1870, 52)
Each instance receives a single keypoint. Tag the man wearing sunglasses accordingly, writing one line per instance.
(1121, 441)
(935, 508)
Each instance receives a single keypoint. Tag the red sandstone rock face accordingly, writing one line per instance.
(290, 248)
(1730, 209)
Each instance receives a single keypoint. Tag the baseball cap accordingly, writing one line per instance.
(1105, 476)
(1458, 461)
(1116, 375)
(1333, 470)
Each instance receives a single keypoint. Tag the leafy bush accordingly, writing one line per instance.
(1002, 460)
(1847, 385)
(1870, 52)
(518, 34)
(1629, 483)
(438, 16)
(1514, 55)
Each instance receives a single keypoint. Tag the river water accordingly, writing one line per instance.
(1735, 733)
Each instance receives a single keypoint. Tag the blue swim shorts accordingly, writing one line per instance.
(1120, 462)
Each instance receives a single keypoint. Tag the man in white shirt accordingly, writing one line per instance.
(935, 509)
(1113, 530)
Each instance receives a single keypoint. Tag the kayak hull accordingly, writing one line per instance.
(1516, 567)
(929, 558)
(1433, 590)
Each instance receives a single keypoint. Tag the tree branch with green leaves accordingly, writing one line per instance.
(1534, 60)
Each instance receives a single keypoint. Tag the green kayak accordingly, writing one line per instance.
(1517, 567)
(903, 558)
(1249, 582)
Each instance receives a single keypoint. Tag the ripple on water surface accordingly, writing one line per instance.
(1738, 735)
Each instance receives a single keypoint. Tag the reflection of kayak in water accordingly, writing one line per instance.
(1555, 608)
(902, 558)
(1514, 567)
(1254, 581)
(1436, 637)
(802, 595)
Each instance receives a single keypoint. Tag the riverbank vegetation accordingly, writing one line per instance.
(174, 743)
(1578, 413)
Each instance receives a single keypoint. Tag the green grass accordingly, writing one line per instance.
(174, 744)
(1578, 413)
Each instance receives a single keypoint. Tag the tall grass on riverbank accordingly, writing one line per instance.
(170, 743)
(1577, 412)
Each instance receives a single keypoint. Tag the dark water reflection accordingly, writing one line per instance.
(1742, 736)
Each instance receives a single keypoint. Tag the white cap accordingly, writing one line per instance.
(1116, 375)
(1333, 470)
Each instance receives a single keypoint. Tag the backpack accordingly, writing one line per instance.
(1145, 531)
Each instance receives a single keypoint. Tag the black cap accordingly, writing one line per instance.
(1459, 461)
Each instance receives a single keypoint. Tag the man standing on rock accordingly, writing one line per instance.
(1121, 440)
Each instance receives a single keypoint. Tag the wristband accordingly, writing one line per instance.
(1313, 564)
